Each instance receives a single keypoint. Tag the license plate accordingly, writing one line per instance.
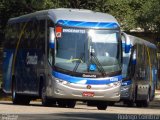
(88, 94)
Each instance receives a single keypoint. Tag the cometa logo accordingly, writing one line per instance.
(88, 87)
(89, 76)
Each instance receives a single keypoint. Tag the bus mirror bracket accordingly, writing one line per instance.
(51, 37)
(127, 43)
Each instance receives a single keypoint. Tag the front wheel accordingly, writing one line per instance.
(101, 105)
(143, 103)
(62, 103)
(139, 103)
(146, 102)
(129, 103)
(71, 103)
(111, 103)
(45, 100)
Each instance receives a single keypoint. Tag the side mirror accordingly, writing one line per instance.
(134, 58)
(51, 37)
(127, 45)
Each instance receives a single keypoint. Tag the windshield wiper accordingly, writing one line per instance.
(78, 63)
(99, 66)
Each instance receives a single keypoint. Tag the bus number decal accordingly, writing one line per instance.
(74, 31)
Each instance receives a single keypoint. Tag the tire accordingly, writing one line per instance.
(143, 103)
(146, 102)
(101, 105)
(139, 104)
(15, 96)
(71, 103)
(111, 103)
(18, 99)
(62, 103)
(129, 103)
(25, 100)
(45, 101)
(92, 103)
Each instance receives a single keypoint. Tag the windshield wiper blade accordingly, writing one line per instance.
(99, 66)
(78, 63)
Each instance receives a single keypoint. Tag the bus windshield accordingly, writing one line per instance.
(74, 47)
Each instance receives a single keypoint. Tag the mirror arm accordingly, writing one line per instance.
(51, 37)
(127, 43)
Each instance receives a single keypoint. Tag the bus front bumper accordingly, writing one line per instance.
(64, 90)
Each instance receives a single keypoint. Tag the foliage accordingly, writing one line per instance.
(129, 13)
(149, 17)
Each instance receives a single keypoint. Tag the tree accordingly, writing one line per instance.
(149, 17)
(129, 13)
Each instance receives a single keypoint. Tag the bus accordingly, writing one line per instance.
(63, 55)
(139, 73)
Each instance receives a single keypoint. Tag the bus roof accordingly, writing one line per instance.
(137, 40)
(67, 14)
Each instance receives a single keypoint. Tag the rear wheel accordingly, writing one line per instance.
(25, 100)
(15, 97)
(18, 99)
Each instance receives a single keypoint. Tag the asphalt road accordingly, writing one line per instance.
(35, 111)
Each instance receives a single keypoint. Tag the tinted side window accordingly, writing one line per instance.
(40, 40)
(11, 36)
(34, 35)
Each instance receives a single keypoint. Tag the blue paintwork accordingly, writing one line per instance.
(51, 45)
(81, 80)
(134, 62)
(7, 69)
(127, 48)
(27, 73)
(125, 83)
(106, 25)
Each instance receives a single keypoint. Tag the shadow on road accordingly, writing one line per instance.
(153, 105)
(88, 116)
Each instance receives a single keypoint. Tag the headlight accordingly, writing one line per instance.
(61, 81)
(114, 84)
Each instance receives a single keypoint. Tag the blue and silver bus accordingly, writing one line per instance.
(63, 55)
(139, 73)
